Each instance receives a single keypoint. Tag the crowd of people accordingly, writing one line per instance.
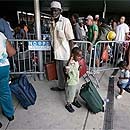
(63, 32)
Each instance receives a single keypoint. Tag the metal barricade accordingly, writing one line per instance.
(116, 51)
(32, 36)
(25, 60)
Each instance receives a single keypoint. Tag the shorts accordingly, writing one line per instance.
(97, 55)
(122, 86)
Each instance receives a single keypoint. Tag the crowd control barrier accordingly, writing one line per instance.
(33, 54)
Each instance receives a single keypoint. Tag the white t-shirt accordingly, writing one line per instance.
(121, 31)
(124, 74)
(3, 54)
(61, 33)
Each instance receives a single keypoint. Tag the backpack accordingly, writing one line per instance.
(23, 91)
(103, 31)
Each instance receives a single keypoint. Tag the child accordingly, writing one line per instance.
(123, 78)
(72, 72)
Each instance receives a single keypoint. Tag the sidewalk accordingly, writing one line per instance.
(49, 113)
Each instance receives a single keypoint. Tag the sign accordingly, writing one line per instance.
(39, 45)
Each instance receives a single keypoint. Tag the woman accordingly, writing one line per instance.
(6, 50)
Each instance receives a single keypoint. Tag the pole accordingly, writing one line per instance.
(38, 33)
(104, 11)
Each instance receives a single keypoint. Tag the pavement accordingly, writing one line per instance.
(49, 113)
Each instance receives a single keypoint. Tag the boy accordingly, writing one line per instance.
(123, 78)
(72, 77)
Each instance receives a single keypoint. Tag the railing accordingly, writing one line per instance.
(27, 59)
(116, 52)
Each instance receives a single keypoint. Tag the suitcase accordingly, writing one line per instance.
(83, 67)
(23, 91)
(92, 98)
(50, 69)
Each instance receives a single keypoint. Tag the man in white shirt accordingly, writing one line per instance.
(122, 30)
(62, 41)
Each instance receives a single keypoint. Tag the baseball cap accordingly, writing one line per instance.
(56, 4)
(96, 16)
(89, 17)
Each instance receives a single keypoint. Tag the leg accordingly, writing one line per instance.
(122, 87)
(121, 91)
(70, 95)
(61, 77)
(5, 94)
(75, 101)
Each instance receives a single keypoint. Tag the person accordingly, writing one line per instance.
(6, 50)
(122, 32)
(92, 36)
(96, 19)
(76, 27)
(104, 30)
(113, 24)
(72, 74)
(62, 42)
(83, 29)
(5, 28)
(123, 78)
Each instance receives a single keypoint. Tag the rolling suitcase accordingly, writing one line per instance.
(24, 91)
(92, 98)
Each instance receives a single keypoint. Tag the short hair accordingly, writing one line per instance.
(76, 50)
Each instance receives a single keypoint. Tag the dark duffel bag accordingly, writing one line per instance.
(92, 98)
(24, 91)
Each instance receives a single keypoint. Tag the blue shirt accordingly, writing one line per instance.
(4, 28)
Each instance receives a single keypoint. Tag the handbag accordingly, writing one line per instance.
(104, 56)
(50, 71)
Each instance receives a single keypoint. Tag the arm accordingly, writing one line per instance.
(95, 37)
(95, 33)
(10, 49)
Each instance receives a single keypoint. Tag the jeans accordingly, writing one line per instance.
(5, 93)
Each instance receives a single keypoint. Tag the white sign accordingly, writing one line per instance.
(39, 45)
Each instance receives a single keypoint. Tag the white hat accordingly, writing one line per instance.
(55, 4)
(89, 17)
(96, 16)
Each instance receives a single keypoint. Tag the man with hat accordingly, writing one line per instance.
(92, 36)
(62, 42)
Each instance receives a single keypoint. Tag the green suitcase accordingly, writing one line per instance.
(92, 98)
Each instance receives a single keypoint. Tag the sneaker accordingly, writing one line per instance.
(77, 104)
(69, 108)
(9, 118)
(119, 96)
